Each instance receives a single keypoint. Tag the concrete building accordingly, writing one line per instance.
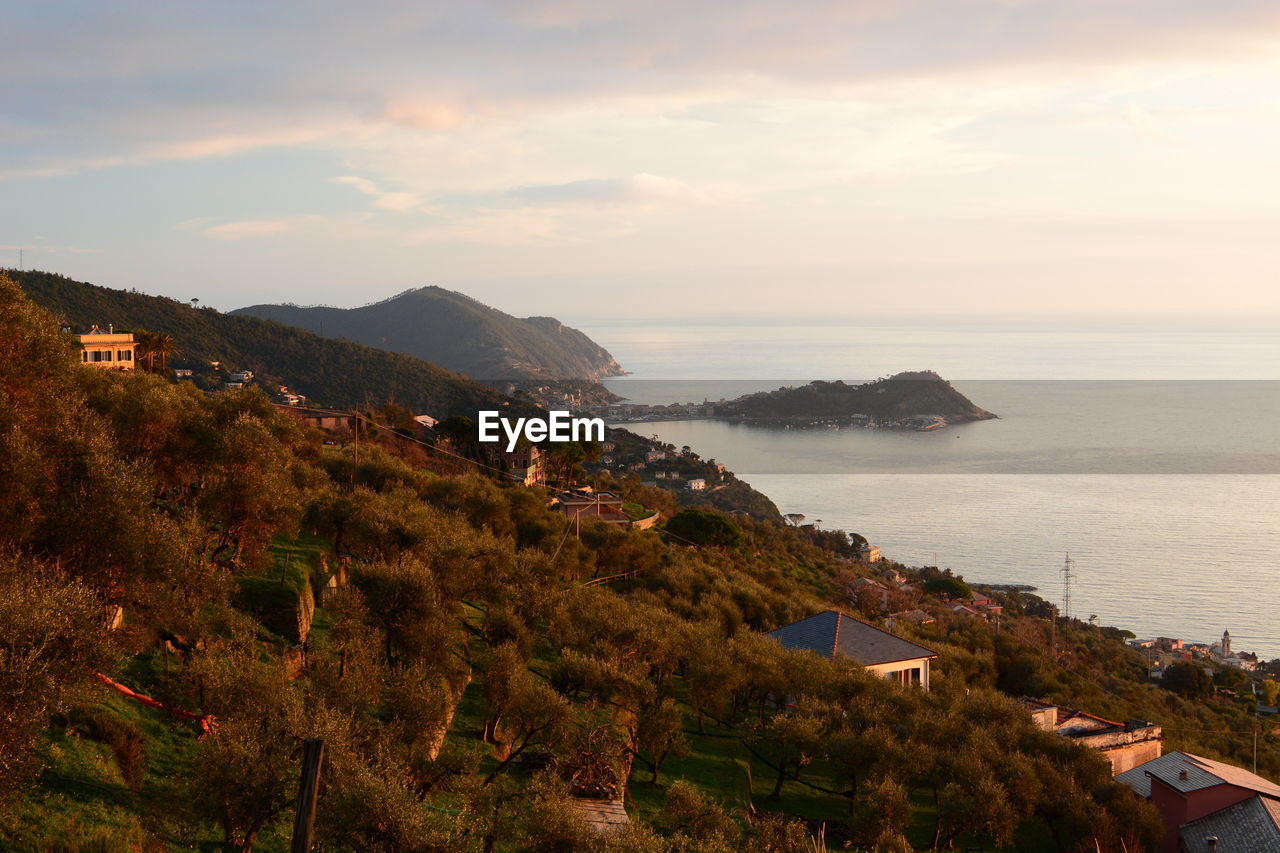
(108, 349)
(832, 635)
(1125, 745)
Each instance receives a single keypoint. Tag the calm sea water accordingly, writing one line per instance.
(1150, 452)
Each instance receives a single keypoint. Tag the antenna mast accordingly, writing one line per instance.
(1067, 576)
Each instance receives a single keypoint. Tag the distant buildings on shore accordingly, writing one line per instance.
(1164, 651)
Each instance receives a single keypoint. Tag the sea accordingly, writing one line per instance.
(1146, 450)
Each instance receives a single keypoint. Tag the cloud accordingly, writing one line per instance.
(423, 114)
(639, 189)
(154, 81)
(251, 228)
(398, 202)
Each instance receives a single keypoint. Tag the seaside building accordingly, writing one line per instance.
(108, 349)
(832, 635)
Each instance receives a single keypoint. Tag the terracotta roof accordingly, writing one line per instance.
(1201, 773)
(1252, 826)
(831, 633)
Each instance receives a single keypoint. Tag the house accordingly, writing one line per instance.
(525, 466)
(696, 485)
(182, 373)
(1199, 798)
(986, 605)
(868, 594)
(425, 421)
(241, 376)
(915, 617)
(583, 503)
(655, 456)
(325, 419)
(1125, 745)
(869, 553)
(108, 349)
(831, 635)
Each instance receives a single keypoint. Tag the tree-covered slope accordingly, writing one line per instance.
(456, 331)
(329, 372)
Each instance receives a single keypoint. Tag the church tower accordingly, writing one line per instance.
(1226, 643)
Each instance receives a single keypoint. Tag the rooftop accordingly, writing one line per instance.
(1200, 773)
(830, 633)
(1252, 825)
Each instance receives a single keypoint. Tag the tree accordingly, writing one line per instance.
(659, 735)
(791, 738)
(691, 813)
(160, 346)
(533, 716)
(704, 527)
(860, 754)
(1187, 679)
(51, 640)
(947, 586)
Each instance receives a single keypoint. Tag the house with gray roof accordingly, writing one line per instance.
(831, 634)
(1199, 798)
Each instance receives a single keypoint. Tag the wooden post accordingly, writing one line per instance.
(304, 821)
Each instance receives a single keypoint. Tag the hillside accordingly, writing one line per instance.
(190, 585)
(476, 663)
(328, 372)
(457, 332)
(894, 400)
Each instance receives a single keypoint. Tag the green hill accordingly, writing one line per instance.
(329, 372)
(456, 331)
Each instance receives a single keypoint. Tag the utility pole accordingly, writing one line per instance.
(1257, 718)
(304, 820)
(1066, 586)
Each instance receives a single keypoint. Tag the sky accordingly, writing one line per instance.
(592, 158)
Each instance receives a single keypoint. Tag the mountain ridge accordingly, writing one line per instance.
(455, 331)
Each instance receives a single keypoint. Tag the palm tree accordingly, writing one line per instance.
(162, 347)
(146, 348)
(153, 346)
